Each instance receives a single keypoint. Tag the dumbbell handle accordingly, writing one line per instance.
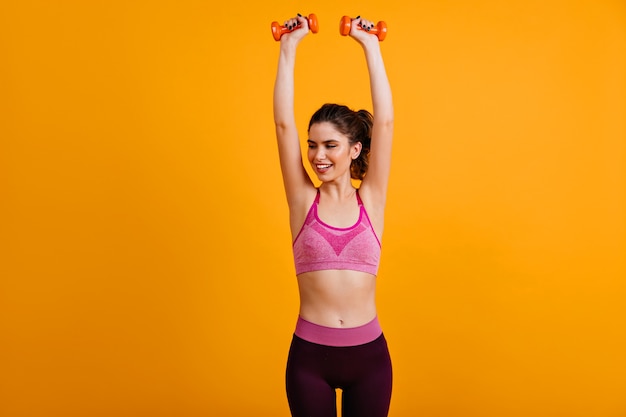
(278, 31)
(380, 30)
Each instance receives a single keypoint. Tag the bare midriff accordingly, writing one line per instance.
(337, 298)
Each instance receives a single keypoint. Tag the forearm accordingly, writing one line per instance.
(382, 101)
(284, 86)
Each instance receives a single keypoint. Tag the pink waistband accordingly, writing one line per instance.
(332, 336)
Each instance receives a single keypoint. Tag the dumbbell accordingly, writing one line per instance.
(380, 30)
(278, 30)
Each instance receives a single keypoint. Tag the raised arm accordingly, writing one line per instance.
(295, 178)
(374, 186)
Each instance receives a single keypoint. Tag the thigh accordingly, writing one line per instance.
(308, 392)
(370, 394)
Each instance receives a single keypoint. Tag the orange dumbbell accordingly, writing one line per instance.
(380, 30)
(278, 30)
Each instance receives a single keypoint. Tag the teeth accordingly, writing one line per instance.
(323, 166)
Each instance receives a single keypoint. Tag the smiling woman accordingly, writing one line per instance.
(330, 125)
(338, 342)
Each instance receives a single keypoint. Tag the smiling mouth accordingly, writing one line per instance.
(326, 166)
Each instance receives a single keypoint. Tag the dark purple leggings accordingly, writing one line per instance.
(362, 372)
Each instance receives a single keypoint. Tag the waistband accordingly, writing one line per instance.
(333, 336)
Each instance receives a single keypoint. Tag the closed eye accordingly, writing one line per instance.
(328, 144)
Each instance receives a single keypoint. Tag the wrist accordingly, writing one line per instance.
(371, 45)
(288, 47)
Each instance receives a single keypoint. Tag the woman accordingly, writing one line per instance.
(336, 229)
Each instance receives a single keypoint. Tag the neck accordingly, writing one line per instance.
(338, 191)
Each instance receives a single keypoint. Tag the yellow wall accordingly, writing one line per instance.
(145, 256)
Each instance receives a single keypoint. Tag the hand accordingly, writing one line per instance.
(363, 29)
(298, 27)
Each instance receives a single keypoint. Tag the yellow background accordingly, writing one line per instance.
(145, 254)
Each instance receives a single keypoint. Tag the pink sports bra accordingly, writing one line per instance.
(319, 246)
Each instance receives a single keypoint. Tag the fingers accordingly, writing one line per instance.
(364, 24)
(296, 21)
(358, 28)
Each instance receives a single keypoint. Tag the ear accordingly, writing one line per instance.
(356, 150)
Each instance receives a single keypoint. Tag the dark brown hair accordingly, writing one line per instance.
(356, 125)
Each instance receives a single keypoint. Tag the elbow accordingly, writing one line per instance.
(279, 123)
(385, 122)
(384, 118)
(281, 126)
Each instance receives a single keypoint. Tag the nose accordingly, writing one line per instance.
(319, 154)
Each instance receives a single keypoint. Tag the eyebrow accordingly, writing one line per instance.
(324, 141)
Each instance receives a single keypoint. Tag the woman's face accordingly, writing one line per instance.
(330, 152)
